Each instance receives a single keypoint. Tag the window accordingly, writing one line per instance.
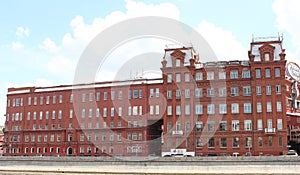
(29, 101)
(234, 91)
(270, 141)
(268, 89)
(210, 75)
(269, 106)
(260, 141)
(199, 76)
(71, 98)
(129, 110)
(47, 115)
(120, 111)
(278, 89)
(279, 124)
(270, 124)
(278, 106)
(235, 125)
(223, 126)
(169, 94)
(112, 95)
(151, 92)
(41, 100)
(59, 114)
(223, 108)
(187, 110)
(235, 142)
(35, 101)
(211, 142)
(246, 74)
(247, 125)
(268, 73)
(222, 92)
(247, 107)
(199, 142)
(169, 126)
(135, 93)
(211, 126)
(28, 116)
(105, 96)
(48, 100)
(187, 77)
(198, 92)
(248, 142)
(177, 63)
(104, 112)
(277, 72)
(259, 125)
(157, 92)
(223, 142)
(83, 113)
(234, 108)
(267, 56)
(178, 126)
(177, 77)
(234, 74)
(112, 111)
(178, 94)
(83, 97)
(258, 107)
(222, 75)
(187, 127)
(199, 126)
(169, 112)
(210, 109)
(91, 96)
(60, 98)
(210, 92)
(98, 96)
(280, 142)
(198, 109)
(257, 73)
(169, 78)
(258, 90)
(187, 93)
(156, 109)
(120, 96)
(178, 110)
(247, 90)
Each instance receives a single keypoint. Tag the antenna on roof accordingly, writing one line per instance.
(252, 37)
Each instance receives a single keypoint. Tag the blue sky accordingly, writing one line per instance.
(41, 41)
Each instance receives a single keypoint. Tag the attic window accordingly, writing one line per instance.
(177, 62)
(267, 57)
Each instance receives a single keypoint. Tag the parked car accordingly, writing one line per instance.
(292, 153)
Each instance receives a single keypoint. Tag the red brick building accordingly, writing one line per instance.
(196, 108)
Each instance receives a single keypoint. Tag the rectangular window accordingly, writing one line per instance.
(112, 95)
(234, 108)
(60, 99)
(210, 109)
(105, 96)
(98, 96)
(279, 124)
(260, 141)
(269, 106)
(53, 114)
(198, 92)
(169, 94)
(151, 110)
(120, 111)
(41, 100)
(280, 142)
(169, 112)
(151, 92)
(141, 93)
(104, 112)
(199, 76)
(278, 89)
(270, 141)
(259, 125)
(129, 110)
(246, 74)
(235, 125)
(71, 98)
(187, 110)
(258, 107)
(198, 109)
(222, 75)
(211, 142)
(247, 107)
(91, 96)
(169, 78)
(187, 93)
(222, 108)
(210, 92)
(211, 126)
(223, 126)
(223, 142)
(59, 114)
(257, 73)
(247, 91)
(248, 142)
(278, 106)
(35, 101)
(169, 126)
(277, 72)
(178, 78)
(210, 75)
(120, 96)
(48, 100)
(199, 126)
(186, 77)
(268, 73)
(83, 97)
(135, 93)
(247, 125)
(234, 91)
(178, 110)
(268, 89)
(234, 74)
(29, 101)
(235, 142)
(222, 92)
(112, 111)
(258, 90)
(178, 94)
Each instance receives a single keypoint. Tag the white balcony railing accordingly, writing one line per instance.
(270, 130)
(178, 132)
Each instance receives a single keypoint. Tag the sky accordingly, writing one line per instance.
(42, 41)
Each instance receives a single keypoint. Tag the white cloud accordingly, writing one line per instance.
(49, 45)
(17, 45)
(62, 66)
(288, 17)
(223, 42)
(22, 32)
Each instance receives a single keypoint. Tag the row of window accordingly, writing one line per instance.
(223, 142)
(234, 74)
(223, 108)
(132, 94)
(223, 126)
(222, 91)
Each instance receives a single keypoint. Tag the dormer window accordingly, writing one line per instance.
(267, 56)
(177, 62)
